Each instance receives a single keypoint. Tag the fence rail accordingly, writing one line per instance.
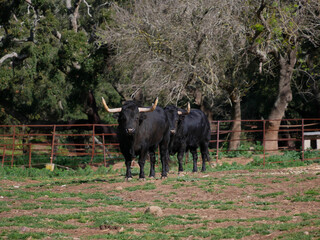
(32, 145)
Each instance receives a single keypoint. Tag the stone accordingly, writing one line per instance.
(154, 210)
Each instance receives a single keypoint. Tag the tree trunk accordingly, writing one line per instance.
(282, 101)
(236, 124)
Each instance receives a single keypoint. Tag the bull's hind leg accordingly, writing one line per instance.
(164, 155)
(205, 155)
(142, 160)
(195, 159)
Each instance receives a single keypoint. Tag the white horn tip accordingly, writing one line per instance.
(156, 101)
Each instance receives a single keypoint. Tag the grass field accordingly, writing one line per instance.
(231, 201)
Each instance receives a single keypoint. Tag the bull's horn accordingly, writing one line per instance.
(186, 112)
(188, 108)
(149, 109)
(112, 110)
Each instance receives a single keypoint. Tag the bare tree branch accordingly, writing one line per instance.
(88, 7)
(10, 55)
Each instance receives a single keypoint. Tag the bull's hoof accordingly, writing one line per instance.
(181, 173)
(128, 179)
(142, 179)
(164, 177)
(152, 179)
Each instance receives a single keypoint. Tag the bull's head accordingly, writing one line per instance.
(174, 115)
(131, 115)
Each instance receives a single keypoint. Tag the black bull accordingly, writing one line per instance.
(141, 131)
(188, 132)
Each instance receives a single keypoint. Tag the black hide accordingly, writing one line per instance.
(140, 133)
(188, 132)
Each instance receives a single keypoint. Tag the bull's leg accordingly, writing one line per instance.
(195, 159)
(205, 155)
(128, 160)
(152, 163)
(142, 160)
(167, 162)
(180, 158)
(164, 154)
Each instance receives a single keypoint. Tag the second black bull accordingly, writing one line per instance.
(140, 131)
(189, 130)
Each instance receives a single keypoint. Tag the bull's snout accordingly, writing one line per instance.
(130, 131)
(173, 131)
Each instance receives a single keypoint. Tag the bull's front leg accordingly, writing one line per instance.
(142, 160)
(152, 163)
(168, 160)
(195, 159)
(128, 160)
(180, 158)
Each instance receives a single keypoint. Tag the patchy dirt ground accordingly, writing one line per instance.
(218, 199)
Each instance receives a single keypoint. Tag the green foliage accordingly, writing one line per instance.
(53, 69)
(258, 27)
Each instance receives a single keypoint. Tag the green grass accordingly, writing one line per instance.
(93, 209)
(145, 187)
(270, 195)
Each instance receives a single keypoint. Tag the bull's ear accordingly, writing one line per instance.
(142, 117)
(115, 115)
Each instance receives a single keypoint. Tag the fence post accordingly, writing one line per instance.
(4, 155)
(93, 133)
(264, 142)
(30, 146)
(302, 139)
(104, 150)
(52, 143)
(13, 144)
(218, 132)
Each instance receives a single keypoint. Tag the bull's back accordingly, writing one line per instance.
(154, 128)
(196, 127)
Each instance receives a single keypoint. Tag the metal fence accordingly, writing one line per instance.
(32, 145)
